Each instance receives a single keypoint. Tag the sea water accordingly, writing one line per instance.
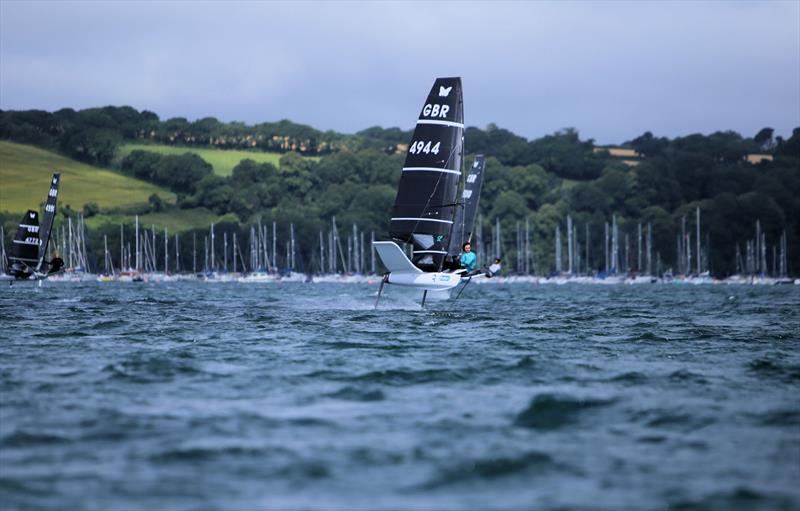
(195, 396)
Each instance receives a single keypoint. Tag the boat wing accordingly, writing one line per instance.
(393, 257)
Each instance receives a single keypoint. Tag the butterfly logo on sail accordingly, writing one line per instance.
(444, 91)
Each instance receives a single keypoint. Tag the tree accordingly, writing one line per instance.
(181, 173)
(763, 139)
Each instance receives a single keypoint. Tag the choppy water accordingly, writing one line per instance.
(199, 396)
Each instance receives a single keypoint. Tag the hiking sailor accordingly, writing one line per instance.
(468, 258)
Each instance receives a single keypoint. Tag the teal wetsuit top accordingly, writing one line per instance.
(468, 260)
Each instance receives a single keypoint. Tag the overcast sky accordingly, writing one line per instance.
(611, 70)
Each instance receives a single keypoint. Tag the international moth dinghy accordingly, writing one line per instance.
(27, 258)
(428, 217)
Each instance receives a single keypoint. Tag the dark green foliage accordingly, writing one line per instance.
(542, 180)
(181, 173)
(90, 209)
(141, 164)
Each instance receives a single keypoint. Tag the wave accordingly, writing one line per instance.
(493, 468)
(357, 394)
(630, 377)
(647, 337)
(22, 438)
(152, 368)
(741, 497)
(771, 368)
(203, 453)
(409, 377)
(553, 411)
(781, 418)
(676, 420)
(685, 375)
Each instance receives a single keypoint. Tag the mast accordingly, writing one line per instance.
(527, 245)
(588, 271)
(225, 250)
(639, 247)
(138, 261)
(177, 254)
(213, 266)
(234, 251)
(194, 252)
(558, 249)
(291, 237)
(372, 251)
(649, 248)
(121, 248)
(497, 247)
(166, 253)
(615, 239)
(274, 245)
(605, 253)
(697, 225)
(570, 248)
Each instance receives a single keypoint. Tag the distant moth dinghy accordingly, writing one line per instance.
(427, 215)
(27, 258)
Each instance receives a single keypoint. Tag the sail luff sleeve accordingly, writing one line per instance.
(424, 207)
(468, 210)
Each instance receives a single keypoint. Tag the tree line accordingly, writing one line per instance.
(541, 181)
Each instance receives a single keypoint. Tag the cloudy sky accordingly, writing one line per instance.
(612, 70)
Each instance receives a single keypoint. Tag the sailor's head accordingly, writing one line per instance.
(496, 260)
(466, 247)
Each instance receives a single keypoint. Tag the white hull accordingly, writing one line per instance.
(438, 281)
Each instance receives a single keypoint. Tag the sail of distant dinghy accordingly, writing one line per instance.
(49, 216)
(24, 254)
(425, 206)
(464, 222)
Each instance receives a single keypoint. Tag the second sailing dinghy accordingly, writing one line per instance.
(426, 206)
(27, 258)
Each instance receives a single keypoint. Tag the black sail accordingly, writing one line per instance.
(465, 215)
(426, 197)
(49, 216)
(24, 254)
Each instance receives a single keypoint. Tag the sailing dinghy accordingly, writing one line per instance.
(427, 216)
(27, 257)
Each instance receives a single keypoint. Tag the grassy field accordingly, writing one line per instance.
(223, 160)
(177, 220)
(25, 173)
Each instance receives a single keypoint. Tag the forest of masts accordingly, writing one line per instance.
(151, 251)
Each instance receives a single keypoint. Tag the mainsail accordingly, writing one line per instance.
(465, 214)
(49, 216)
(425, 205)
(24, 254)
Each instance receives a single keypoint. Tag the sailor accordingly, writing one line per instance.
(494, 268)
(468, 259)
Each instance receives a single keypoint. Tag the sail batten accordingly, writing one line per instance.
(425, 204)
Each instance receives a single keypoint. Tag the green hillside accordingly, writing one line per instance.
(175, 220)
(25, 175)
(223, 160)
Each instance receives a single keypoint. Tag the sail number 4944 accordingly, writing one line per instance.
(422, 146)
